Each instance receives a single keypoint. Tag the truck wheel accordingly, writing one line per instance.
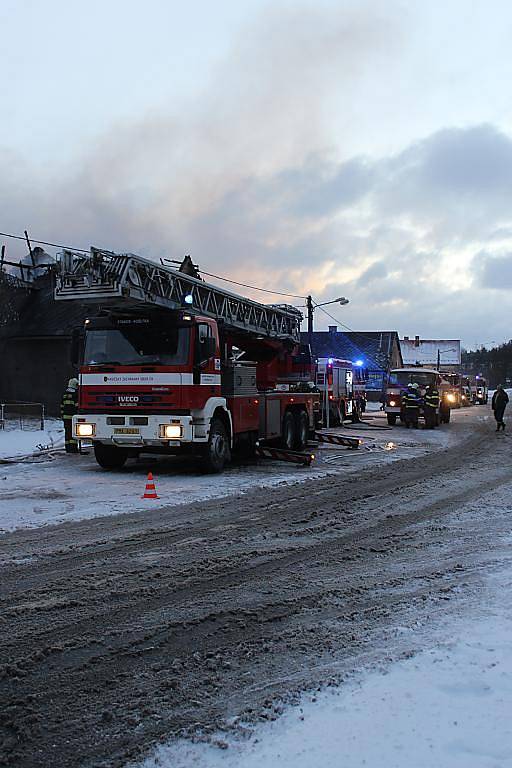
(301, 430)
(289, 440)
(110, 457)
(445, 416)
(391, 419)
(218, 452)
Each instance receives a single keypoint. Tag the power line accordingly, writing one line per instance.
(253, 287)
(356, 333)
(217, 277)
(44, 242)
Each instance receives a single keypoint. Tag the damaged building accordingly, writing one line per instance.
(35, 337)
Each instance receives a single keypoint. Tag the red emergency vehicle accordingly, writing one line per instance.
(175, 365)
(400, 378)
(336, 380)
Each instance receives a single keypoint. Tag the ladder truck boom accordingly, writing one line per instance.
(172, 364)
(123, 278)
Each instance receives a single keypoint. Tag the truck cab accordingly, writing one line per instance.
(481, 391)
(400, 378)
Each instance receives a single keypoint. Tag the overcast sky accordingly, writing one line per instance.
(337, 148)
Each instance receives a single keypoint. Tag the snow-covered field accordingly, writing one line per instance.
(56, 488)
(15, 443)
(448, 706)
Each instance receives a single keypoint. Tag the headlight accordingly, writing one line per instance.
(83, 429)
(392, 403)
(450, 398)
(171, 431)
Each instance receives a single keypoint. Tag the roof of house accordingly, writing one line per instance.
(40, 316)
(425, 351)
(373, 347)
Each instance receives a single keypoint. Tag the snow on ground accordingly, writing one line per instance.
(60, 488)
(20, 442)
(448, 706)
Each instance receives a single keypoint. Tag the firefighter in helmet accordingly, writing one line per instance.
(411, 401)
(431, 404)
(68, 408)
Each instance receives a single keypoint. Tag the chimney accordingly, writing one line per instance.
(333, 329)
(416, 341)
(406, 338)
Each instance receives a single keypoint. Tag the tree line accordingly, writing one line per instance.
(495, 364)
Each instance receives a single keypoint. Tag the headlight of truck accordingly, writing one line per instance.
(450, 398)
(392, 403)
(171, 431)
(83, 429)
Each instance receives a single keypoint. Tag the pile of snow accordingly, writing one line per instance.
(16, 443)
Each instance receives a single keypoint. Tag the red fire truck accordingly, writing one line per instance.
(336, 379)
(172, 364)
(400, 378)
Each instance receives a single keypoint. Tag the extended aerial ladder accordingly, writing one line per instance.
(122, 279)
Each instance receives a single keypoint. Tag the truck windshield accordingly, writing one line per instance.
(137, 345)
(403, 378)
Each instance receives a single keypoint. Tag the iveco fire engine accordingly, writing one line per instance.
(172, 364)
(400, 378)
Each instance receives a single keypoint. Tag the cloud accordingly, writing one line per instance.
(247, 181)
(494, 272)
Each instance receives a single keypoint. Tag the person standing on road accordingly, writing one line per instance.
(411, 401)
(431, 405)
(68, 408)
(499, 403)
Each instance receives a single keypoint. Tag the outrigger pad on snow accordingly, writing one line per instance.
(282, 454)
(349, 442)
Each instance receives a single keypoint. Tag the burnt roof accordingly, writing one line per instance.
(40, 316)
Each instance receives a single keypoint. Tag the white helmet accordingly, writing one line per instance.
(73, 384)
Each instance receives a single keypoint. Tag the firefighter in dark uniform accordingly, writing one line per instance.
(68, 408)
(411, 401)
(430, 406)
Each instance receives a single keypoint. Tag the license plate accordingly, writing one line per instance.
(126, 431)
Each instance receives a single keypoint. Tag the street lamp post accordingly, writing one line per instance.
(311, 308)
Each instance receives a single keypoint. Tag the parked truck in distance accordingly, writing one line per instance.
(400, 378)
(480, 391)
(341, 385)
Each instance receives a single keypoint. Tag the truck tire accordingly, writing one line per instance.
(445, 416)
(289, 439)
(218, 452)
(391, 419)
(109, 456)
(301, 430)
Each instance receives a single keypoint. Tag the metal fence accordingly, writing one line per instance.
(22, 415)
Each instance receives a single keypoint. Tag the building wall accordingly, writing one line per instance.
(35, 370)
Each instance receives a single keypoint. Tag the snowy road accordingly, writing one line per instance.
(58, 488)
(121, 631)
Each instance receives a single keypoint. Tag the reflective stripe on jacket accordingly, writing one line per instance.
(411, 400)
(69, 403)
(432, 398)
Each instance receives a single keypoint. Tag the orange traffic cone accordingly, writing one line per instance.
(150, 492)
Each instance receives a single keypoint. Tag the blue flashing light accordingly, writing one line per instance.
(188, 299)
(330, 360)
(359, 363)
